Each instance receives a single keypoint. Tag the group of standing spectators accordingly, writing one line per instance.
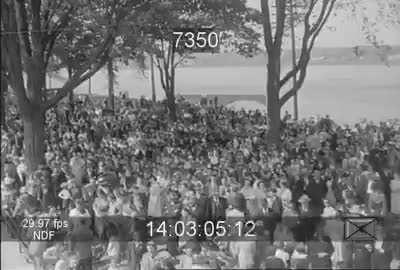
(111, 172)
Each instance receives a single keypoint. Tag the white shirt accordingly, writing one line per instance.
(61, 265)
(234, 213)
(283, 255)
(128, 211)
(99, 205)
(76, 213)
(21, 169)
(245, 252)
(113, 249)
(115, 208)
(185, 262)
(285, 194)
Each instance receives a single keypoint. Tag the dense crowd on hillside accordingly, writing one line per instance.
(211, 164)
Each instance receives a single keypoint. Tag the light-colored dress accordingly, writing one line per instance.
(78, 168)
(395, 196)
(155, 206)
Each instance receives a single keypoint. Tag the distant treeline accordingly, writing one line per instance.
(358, 55)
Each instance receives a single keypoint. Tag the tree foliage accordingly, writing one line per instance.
(31, 32)
(79, 34)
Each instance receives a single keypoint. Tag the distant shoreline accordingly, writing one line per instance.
(320, 56)
(395, 64)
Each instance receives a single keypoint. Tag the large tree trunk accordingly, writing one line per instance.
(274, 110)
(171, 106)
(110, 73)
(34, 136)
(170, 93)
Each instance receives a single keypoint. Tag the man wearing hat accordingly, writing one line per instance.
(154, 257)
(201, 201)
(235, 205)
(27, 204)
(186, 260)
(306, 226)
(316, 190)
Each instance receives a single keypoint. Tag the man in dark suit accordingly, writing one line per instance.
(201, 202)
(316, 190)
(273, 211)
(58, 177)
(216, 207)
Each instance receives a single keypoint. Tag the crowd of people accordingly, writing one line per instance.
(213, 163)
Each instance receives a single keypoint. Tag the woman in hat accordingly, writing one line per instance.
(284, 192)
(377, 204)
(78, 165)
(260, 192)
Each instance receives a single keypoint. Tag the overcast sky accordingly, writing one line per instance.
(348, 32)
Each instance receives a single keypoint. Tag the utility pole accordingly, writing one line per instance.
(295, 103)
(153, 87)
(90, 86)
(110, 71)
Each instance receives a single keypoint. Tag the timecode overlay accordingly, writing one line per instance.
(232, 229)
(127, 229)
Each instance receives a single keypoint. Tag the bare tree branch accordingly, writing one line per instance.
(327, 13)
(182, 59)
(158, 64)
(321, 16)
(309, 38)
(295, 88)
(96, 62)
(304, 48)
